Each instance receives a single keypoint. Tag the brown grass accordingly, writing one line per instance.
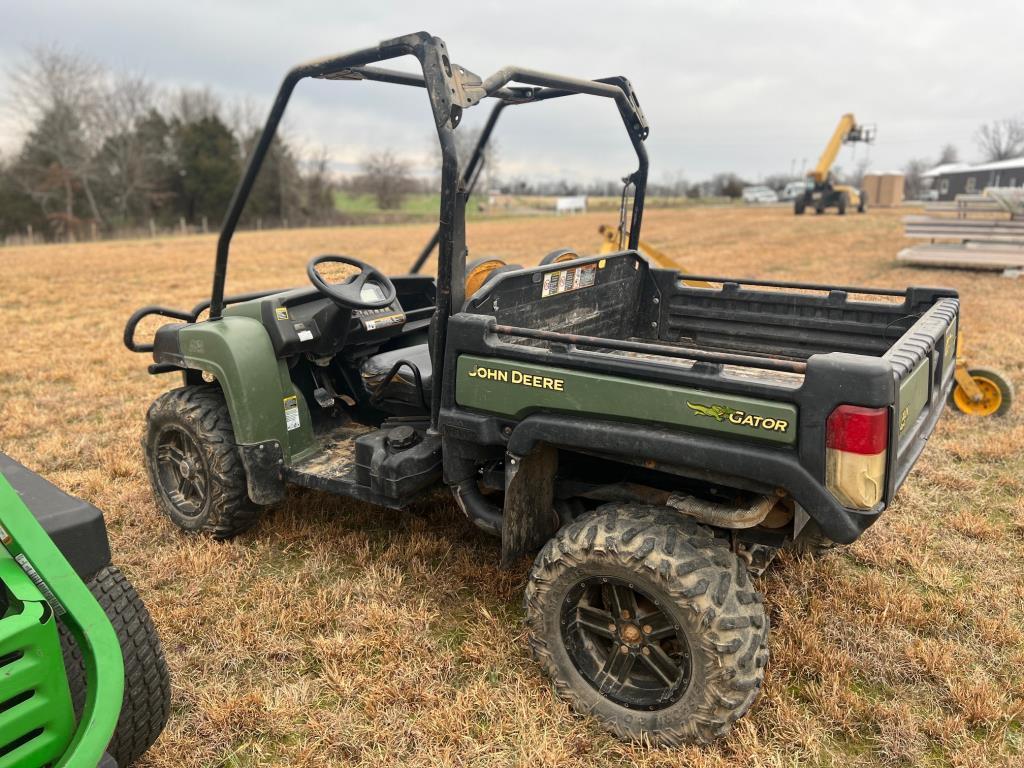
(341, 634)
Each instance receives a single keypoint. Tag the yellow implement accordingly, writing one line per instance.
(979, 391)
(610, 244)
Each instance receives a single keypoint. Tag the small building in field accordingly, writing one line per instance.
(952, 179)
(882, 189)
(574, 204)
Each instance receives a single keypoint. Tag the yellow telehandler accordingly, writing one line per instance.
(822, 192)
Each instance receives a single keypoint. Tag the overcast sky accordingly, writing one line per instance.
(751, 87)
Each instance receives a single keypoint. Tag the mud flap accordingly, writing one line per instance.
(529, 518)
(263, 463)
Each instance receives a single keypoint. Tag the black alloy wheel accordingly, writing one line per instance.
(181, 471)
(624, 644)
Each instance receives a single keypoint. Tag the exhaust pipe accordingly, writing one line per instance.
(484, 515)
(724, 515)
(708, 512)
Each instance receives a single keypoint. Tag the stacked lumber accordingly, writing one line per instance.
(977, 232)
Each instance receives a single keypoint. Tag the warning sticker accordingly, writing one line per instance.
(383, 322)
(571, 279)
(291, 413)
(281, 313)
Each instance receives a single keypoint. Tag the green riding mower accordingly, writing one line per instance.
(653, 439)
(83, 680)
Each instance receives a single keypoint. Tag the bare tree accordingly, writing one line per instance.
(1001, 139)
(59, 95)
(912, 180)
(246, 120)
(948, 154)
(465, 143)
(190, 105)
(129, 153)
(386, 177)
(318, 189)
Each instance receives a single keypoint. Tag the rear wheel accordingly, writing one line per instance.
(841, 203)
(147, 689)
(649, 623)
(862, 205)
(194, 465)
(799, 205)
(996, 394)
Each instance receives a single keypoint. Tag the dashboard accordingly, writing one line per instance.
(304, 320)
(372, 319)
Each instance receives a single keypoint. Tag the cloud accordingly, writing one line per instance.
(750, 87)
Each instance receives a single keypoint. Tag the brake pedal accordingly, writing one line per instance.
(323, 398)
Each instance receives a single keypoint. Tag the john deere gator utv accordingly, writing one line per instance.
(654, 440)
(83, 682)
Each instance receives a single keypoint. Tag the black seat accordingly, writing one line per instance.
(403, 386)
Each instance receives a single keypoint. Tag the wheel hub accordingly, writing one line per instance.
(625, 644)
(630, 634)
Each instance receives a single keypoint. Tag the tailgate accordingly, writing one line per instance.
(922, 360)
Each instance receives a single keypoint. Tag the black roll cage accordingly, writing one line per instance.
(451, 89)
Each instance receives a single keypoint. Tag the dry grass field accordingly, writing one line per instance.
(340, 634)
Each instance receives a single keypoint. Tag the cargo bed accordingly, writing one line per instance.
(640, 347)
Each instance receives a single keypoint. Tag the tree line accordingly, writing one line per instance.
(108, 152)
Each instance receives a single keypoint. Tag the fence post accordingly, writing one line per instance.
(30, 240)
(259, 223)
(205, 227)
(152, 228)
(181, 223)
(92, 229)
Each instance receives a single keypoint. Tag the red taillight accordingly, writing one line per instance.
(856, 448)
(855, 429)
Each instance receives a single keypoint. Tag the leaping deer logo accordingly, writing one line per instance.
(716, 412)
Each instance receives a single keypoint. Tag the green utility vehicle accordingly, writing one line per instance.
(655, 437)
(83, 681)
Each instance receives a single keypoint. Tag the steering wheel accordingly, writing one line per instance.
(348, 294)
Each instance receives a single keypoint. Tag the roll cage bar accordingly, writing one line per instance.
(451, 89)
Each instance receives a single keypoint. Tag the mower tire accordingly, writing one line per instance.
(649, 623)
(194, 466)
(147, 688)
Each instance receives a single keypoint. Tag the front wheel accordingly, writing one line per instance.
(194, 466)
(841, 203)
(649, 623)
(799, 205)
(996, 394)
(147, 688)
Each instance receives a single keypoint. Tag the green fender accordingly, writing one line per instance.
(44, 585)
(262, 400)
